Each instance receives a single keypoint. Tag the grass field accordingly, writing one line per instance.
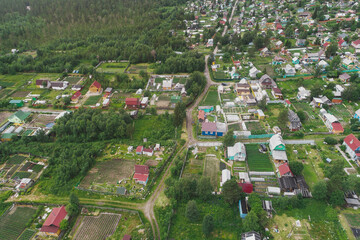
(154, 127)
(353, 219)
(135, 69)
(255, 128)
(211, 170)
(97, 227)
(211, 99)
(17, 159)
(341, 112)
(92, 100)
(109, 172)
(112, 67)
(257, 161)
(72, 79)
(21, 175)
(13, 223)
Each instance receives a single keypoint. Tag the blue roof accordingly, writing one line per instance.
(50, 125)
(15, 101)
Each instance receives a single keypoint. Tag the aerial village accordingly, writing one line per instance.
(278, 121)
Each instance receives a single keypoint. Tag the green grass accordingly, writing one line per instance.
(211, 99)
(27, 132)
(353, 219)
(153, 127)
(12, 225)
(234, 127)
(112, 67)
(17, 159)
(37, 168)
(27, 234)
(72, 79)
(92, 100)
(21, 175)
(255, 128)
(257, 161)
(313, 121)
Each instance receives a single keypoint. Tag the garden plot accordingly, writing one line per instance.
(20, 94)
(255, 128)
(4, 116)
(211, 169)
(135, 69)
(27, 234)
(92, 100)
(41, 120)
(211, 99)
(313, 121)
(72, 79)
(257, 161)
(163, 101)
(108, 173)
(13, 223)
(195, 166)
(261, 186)
(341, 112)
(97, 227)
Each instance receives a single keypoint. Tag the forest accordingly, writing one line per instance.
(66, 33)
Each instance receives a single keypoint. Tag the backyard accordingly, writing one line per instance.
(257, 161)
(92, 100)
(211, 98)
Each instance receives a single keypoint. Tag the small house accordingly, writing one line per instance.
(167, 84)
(260, 114)
(267, 82)
(144, 102)
(300, 42)
(284, 170)
(17, 103)
(51, 225)
(357, 114)
(287, 103)
(139, 150)
(289, 70)
(352, 146)
(276, 92)
(273, 190)
(294, 123)
(76, 96)
(141, 174)
(236, 152)
(225, 176)
(251, 236)
(59, 85)
(43, 83)
(95, 87)
(208, 129)
(19, 117)
(356, 44)
(76, 87)
(201, 116)
(148, 152)
(344, 77)
(132, 103)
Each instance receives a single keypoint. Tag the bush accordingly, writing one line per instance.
(330, 141)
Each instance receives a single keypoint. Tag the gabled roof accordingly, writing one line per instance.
(352, 142)
(96, 84)
(357, 42)
(142, 169)
(344, 76)
(52, 223)
(275, 141)
(21, 115)
(208, 127)
(139, 148)
(132, 101)
(201, 114)
(76, 95)
(149, 150)
(141, 177)
(284, 169)
(246, 187)
(337, 127)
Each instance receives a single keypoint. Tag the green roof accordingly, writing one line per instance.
(15, 101)
(21, 115)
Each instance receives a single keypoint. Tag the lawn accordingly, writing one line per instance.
(131, 225)
(92, 100)
(211, 170)
(211, 98)
(136, 68)
(154, 128)
(353, 219)
(13, 223)
(257, 161)
(72, 79)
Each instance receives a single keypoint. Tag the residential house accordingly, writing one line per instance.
(201, 116)
(76, 87)
(253, 72)
(278, 44)
(17, 103)
(167, 84)
(342, 43)
(322, 64)
(95, 87)
(19, 117)
(225, 176)
(148, 152)
(59, 85)
(277, 149)
(356, 44)
(265, 52)
(331, 122)
(208, 129)
(346, 62)
(51, 225)
(246, 187)
(132, 103)
(139, 150)
(287, 103)
(259, 114)
(278, 60)
(108, 90)
(43, 83)
(75, 97)
(236, 152)
(300, 42)
(305, 15)
(295, 60)
(320, 101)
(289, 70)
(24, 184)
(267, 82)
(284, 170)
(303, 94)
(294, 123)
(141, 174)
(357, 114)
(314, 57)
(144, 102)
(276, 92)
(251, 236)
(352, 146)
(345, 77)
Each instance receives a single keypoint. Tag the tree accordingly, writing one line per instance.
(331, 50)
(337, 198)
(73, 206)
(320, 191)
(262, 104)
(192, 212)
(229, 139)
(64, 224)
(330, 140)
(204, 188)
(208, 224)
(232, 192)
(302, 116)
(296, 167)
(179, 114)
(251, 222)
(283, 119)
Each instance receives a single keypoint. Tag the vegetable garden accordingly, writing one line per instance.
(257, 161)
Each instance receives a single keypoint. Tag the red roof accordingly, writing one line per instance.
(132, 101)
(149, 150)
(278, 26)
(142, 169)
(52, 223)
(96, 84)
(126, 237)
(341, 42)
(326, 44)
(141, 177)
(277, 90)
(284, 169)
(76, 95)
(352, 142)
(139, 148)
(357, 42)
(337, 127)
(246, 187)
(288, 101)
(201, 114)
